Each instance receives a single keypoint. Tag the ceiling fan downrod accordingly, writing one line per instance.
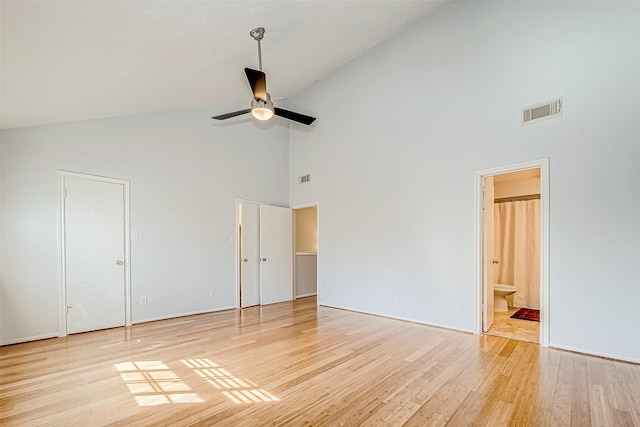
(258, 34)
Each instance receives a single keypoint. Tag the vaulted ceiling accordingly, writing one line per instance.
(75, 60)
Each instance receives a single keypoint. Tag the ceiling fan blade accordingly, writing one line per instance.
(258, 82)
(296, 117)
(229, 115)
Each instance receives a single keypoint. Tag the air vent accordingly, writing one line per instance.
(304, 178)
(542, 111)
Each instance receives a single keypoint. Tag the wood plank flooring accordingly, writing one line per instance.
(297, 364)
(518, 329)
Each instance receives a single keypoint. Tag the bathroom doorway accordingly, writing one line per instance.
(513, 252)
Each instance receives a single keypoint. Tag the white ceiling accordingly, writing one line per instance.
(75, 60)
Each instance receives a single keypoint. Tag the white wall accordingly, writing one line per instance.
(399, 135)
(306, 275)
(402, 129)
(186, 172)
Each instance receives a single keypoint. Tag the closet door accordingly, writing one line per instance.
(276, 251)
(94, 220)
(250, 254)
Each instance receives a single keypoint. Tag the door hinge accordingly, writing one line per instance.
(65, 193)
(484, 307)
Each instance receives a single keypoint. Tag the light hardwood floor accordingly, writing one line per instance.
(505, 326)
(297, 364)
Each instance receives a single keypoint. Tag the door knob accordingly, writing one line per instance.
(245, 260)
(264, 259)
(495, 261)
(119, 262)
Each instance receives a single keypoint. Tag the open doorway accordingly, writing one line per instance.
(305, 251)
(513, 252)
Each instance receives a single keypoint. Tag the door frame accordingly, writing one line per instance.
(295, 284)
(488, 305)
(236, 252)
(62, 272)
(543, 165)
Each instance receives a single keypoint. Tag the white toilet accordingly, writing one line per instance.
(500, 294)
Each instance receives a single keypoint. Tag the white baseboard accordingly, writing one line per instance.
(31, 338)
(175, 316)
(404, 319)
(593, 353)
(557, 346)
(57, 334)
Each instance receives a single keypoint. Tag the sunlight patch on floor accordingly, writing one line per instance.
(153, 383)
(239, 390)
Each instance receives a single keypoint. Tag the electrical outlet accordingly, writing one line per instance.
(390, 296)
(212, 293)
(143, 300)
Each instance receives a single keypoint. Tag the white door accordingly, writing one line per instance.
(276, 251)
(250, 254)
(487, 258)
(94, 221)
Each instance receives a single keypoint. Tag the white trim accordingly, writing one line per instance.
(192, 313)
(62, 274)
(594, 353)
(305, 205)
(543, 164)
(238, 199)
(403, 319)
(317, 253)
(29, 339)
(236, 253)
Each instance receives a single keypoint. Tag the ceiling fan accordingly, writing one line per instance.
(261, 106)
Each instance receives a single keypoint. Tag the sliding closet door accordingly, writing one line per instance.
(276, 250)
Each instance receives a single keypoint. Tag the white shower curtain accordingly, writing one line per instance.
(517, 248)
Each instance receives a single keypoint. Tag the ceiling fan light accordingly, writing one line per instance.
(262, 113)
(262, 110)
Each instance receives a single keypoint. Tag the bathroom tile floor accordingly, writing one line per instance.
(523, 330)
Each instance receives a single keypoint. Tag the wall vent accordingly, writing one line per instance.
(544, 110)
(304, 178)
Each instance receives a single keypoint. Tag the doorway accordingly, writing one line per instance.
(94, 253)
(512, 251)
(305, 266)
